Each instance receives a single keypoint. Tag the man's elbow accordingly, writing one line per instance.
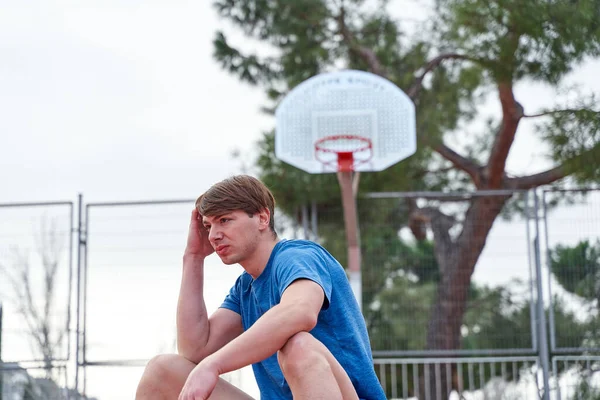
(189, 352)
(307, 318)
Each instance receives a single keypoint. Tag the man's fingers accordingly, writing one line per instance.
(196, 217)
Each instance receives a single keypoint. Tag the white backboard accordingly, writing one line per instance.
(347, 102)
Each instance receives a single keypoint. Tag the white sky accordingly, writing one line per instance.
(121, 100)
(116, 101)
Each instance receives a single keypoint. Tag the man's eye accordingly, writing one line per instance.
(223, 220)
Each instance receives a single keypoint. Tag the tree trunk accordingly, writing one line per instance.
(457, 259)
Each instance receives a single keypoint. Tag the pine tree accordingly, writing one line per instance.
(471, 50)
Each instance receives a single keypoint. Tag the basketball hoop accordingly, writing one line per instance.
(343, 152)
(313, 122)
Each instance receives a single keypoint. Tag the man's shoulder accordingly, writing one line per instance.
(292, 248)
(297, 244)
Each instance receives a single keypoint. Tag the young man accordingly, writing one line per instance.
(291, 314)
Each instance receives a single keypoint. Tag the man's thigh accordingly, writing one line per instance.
(165, 376)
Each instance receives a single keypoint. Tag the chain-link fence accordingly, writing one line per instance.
(132, 271)
(429, 260)
(572, 258)
(572, 241)
(36, 248)
(478, 266)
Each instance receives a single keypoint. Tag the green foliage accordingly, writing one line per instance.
(577, 268)
(293, 187)
(539, 40)
(502, 40)
(399, 318)
(29, 390)
(298, 29)
(495, 45)
(305, 38)
(496, 318)
(585, 390)
(534, 39)
(249, 68)
(574, 138)
(570, 330)
(382, 35)
(496, 321)
(399, 282)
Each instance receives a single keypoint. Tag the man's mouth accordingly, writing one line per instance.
(221, 249)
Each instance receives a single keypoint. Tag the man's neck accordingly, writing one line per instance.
(257, 263)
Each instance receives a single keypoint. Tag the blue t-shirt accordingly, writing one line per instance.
(340, 326)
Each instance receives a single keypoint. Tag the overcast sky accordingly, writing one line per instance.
(121, 100)
(116, 101)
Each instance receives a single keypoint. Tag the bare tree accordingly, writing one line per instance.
(34, 296)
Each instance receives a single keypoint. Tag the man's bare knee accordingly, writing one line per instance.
(160, 366)
(163, 373)
(297, 346)
(300, 352)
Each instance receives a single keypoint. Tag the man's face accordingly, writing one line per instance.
(234, 235)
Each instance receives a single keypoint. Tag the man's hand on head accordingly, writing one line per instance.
(197, 243)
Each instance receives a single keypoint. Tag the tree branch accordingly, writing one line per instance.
(416, 223)
(366, 54)
(440, 225)
(22, 262)
(588, 157)
(535, 180)
(37, 317)
(440, 171)
(552, 112)
(512, 112)
(460, 162)
(431, 65)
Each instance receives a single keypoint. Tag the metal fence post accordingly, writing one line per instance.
(1, 362)
(541, 317)
(313, 221)
(80, 244)
(305, 222)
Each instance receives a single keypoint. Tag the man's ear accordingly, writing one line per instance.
(264, 218)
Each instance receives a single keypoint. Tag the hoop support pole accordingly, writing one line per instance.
(352, 235)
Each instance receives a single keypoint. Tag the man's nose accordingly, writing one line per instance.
(214, 234)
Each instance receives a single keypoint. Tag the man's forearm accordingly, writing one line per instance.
(268, 335)
(192, 317)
